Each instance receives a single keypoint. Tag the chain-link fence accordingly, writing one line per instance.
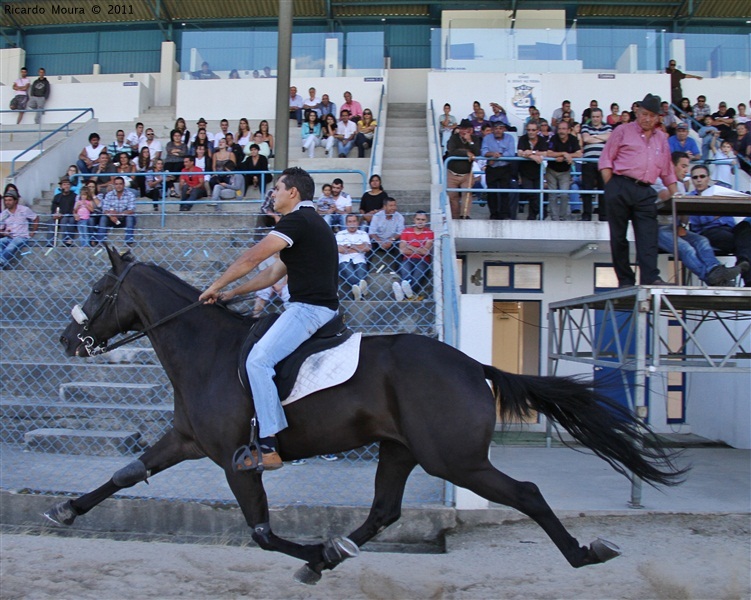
(66, 424)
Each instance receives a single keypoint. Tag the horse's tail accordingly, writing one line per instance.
(606, 428)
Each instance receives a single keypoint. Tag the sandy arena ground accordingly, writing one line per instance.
(664, 556)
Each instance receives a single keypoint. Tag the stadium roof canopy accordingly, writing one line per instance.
(23, 15)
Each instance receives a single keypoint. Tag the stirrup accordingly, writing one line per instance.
(243, 459)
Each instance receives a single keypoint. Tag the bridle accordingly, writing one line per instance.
(95, 348)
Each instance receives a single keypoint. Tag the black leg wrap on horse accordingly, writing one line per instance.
(262, 536)
(339, 549)
(130, 474)
(63, 513)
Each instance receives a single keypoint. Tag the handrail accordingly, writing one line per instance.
(377, 136)
(437, 142)
(165, 199)
(48, 136)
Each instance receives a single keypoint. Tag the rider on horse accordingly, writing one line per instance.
(309, 258)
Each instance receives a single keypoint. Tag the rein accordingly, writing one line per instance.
(89, 341)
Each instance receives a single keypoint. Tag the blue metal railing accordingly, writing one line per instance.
(437, 142)
(65, 126)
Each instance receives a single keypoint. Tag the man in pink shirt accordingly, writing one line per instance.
(353, 106)
(635, 155)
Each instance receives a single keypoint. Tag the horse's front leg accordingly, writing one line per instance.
(171, 449)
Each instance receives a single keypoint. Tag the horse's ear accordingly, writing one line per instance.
(117, 259)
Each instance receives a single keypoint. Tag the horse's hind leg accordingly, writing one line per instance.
(172, 448)
(525, 497)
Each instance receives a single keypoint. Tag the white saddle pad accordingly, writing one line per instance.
(326, 369)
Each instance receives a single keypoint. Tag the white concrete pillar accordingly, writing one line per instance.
(165, 94)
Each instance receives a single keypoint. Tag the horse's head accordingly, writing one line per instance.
(105, 313)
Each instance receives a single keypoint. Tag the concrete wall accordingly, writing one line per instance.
(408, 85)
(256, 98)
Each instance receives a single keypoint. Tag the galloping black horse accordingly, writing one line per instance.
(440, 415)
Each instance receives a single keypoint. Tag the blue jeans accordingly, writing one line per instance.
(82, 166)
(694, 250)
(86, 230)
(413, 271)
(129, 222)
(352, 273)
(345, 148)
(8, 247)
(295, 325)
(66, 228)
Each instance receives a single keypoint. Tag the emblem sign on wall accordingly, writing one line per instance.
(522, 91)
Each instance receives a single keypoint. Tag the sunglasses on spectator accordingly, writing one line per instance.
(699, 176)
(531, 129)
(367, 112)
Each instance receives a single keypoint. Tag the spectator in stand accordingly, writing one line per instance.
(635, 155)
(669, 120)
(499, 114)
(119, 210)
(204, 73)
(236, 149)
(267, 217)
(723, 232)
(21, 87)
(676, 76)
(227, 187)
(724, 120)
(136, 139)
(311, 133)
(235, 74)
(365, 132)
(533, 147)
(478, 122)
(499, 173)
(564, 148)
(685, 110)
(328, 134)
(372, 200)
(182, 127)
(76, 181)
(352, 106)
(725, 164)
(244, 136)
(295, 105)
(89, 156)
(99, 174)
(176, 151)
(278, 290)
(222, 156)
(84, 213)
(203, 162)
(153, 144)
(701, 109)
(38, 95)
(263, 147)
(221, 134)
(681, 142)
(625, 118)
(200, 124)
(594, 136)
(312, 102)
(353, 245)
(708, 133)
(587, 114)
(153, 183)
(342, 203)
(446, 124)
(534, 115)
(461, 145)
(326, 205)
(741, 116)
(63, 220)
(255, 161)
(546, 133)
(633, 111)
(345, 134)
(614, 115)
(694, 250)
(18, 224)
(125, 168)
(743, 147)
(267, 72)
(263, 128)
(191, 184)
(202, 139)
(327, 107)
(558, 113)
(119, 145)
(415, 246)
(385, 230)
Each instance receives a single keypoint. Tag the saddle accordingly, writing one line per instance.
(332, 334)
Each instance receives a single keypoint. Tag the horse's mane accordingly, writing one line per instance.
(183, 288)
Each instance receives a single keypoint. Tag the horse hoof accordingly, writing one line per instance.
(307, 576)
(61, 514)
(604, 550)
(338, 549)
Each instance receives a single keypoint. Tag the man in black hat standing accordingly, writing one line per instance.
(461, 144)
(635, 155)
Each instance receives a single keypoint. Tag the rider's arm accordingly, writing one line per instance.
(247, 261)
(264, 279)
